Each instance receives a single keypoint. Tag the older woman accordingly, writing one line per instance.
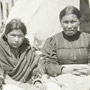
(68, 51)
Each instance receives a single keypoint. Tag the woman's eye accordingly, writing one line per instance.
(21, 36)
(13, 35)
(73, 21)
(66, 22)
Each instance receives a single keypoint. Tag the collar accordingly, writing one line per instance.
(72, 38)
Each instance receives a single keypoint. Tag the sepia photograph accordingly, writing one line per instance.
(44, 44)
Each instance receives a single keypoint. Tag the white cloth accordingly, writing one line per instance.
(67, 82)
(52, 86)
(12, 87)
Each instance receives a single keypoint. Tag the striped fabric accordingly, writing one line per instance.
(73, 50)
(61, 49)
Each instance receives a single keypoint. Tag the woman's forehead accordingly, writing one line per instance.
(15, 31)
(69, 16)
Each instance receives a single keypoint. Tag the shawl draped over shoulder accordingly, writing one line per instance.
(22, 70)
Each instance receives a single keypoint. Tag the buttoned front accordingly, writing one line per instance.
(62, 49)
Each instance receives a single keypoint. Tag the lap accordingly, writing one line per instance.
(69, 82)
(12, 87)
(16, 85)
(72, 82)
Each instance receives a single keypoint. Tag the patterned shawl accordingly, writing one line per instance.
(21, 71)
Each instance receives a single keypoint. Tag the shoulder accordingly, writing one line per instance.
(85, 34)
(3, 43)
(85, 37)
(52, 39)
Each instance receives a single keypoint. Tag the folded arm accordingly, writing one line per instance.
(50, 56)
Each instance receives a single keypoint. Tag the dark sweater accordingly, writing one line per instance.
(61, 49)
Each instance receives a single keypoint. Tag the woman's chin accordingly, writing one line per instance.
(15, 47)
(70, 34)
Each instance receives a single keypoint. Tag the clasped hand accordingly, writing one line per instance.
(76, 70)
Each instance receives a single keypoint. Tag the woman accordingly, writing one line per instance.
(17, 58)
(68, 51)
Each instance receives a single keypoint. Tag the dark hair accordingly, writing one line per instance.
(15, 24)
(70, 10)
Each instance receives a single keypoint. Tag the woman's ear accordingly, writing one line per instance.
(5, 35)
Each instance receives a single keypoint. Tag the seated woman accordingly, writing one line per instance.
(17, 58)
(68, 51)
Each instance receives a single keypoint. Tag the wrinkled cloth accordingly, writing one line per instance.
(72, 82)
(16, 85)
(10, 87)
(19, 69)
(67, 82)
(61, 49)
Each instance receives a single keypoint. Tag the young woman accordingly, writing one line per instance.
(17, 58)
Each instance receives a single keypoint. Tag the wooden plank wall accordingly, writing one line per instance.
(85, 19)
(5, 7)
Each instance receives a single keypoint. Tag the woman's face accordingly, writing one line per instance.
(70, 24)
(15, 38)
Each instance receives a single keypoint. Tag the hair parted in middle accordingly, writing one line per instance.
(15, 24)
(70, 10)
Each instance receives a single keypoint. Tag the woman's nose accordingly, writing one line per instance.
(69, 25)
(16, 38)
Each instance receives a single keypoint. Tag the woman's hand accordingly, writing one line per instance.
(77, 70)
(40, 86)
(66, 70)
(84, 71)
(36, 73)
